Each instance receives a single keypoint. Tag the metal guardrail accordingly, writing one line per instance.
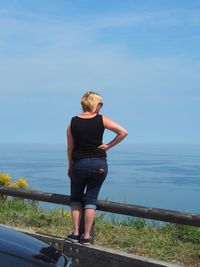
(96, 256)
(164, 215)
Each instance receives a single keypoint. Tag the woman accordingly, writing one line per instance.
(87, 165)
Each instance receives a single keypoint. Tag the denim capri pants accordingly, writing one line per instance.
(87, 177)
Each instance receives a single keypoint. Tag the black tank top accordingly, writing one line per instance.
(87, 136)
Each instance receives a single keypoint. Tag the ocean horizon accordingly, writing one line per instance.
(154, 175)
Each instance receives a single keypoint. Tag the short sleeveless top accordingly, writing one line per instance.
(87, 137)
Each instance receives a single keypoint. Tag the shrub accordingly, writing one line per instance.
(21, 184)
(4, 179)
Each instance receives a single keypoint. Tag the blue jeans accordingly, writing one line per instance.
(87, 178)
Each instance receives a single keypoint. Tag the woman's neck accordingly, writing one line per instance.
(87, 114)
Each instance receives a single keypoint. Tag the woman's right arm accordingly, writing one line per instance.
(121, 133)
(70, 146)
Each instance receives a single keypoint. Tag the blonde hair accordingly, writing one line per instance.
(90, 100)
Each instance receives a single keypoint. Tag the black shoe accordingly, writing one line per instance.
(73, 238)
(84, 241)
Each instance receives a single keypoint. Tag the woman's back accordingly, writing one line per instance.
(87, 136)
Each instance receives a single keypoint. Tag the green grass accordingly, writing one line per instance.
(168, 242)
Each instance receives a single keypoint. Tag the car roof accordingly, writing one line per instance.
(22, 245)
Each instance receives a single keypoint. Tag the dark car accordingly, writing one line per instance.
(19, 250)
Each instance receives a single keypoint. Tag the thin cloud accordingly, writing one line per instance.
(53, 56)
(158, 18)
(161, 18)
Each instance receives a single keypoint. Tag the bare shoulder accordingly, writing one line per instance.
(112, 125)
(107, 121)
(105, 118)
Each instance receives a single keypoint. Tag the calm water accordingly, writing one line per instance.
(162, 176)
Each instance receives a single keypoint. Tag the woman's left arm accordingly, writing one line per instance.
(121, 133)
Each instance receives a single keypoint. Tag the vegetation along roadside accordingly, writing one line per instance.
(168, 242)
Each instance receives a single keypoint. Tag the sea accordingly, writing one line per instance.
(163, 176)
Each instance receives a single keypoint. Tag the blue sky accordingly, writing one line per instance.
(143, 56)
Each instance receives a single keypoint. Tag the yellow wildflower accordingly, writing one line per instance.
(66, 214)
(4, 179)
(22, 183)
